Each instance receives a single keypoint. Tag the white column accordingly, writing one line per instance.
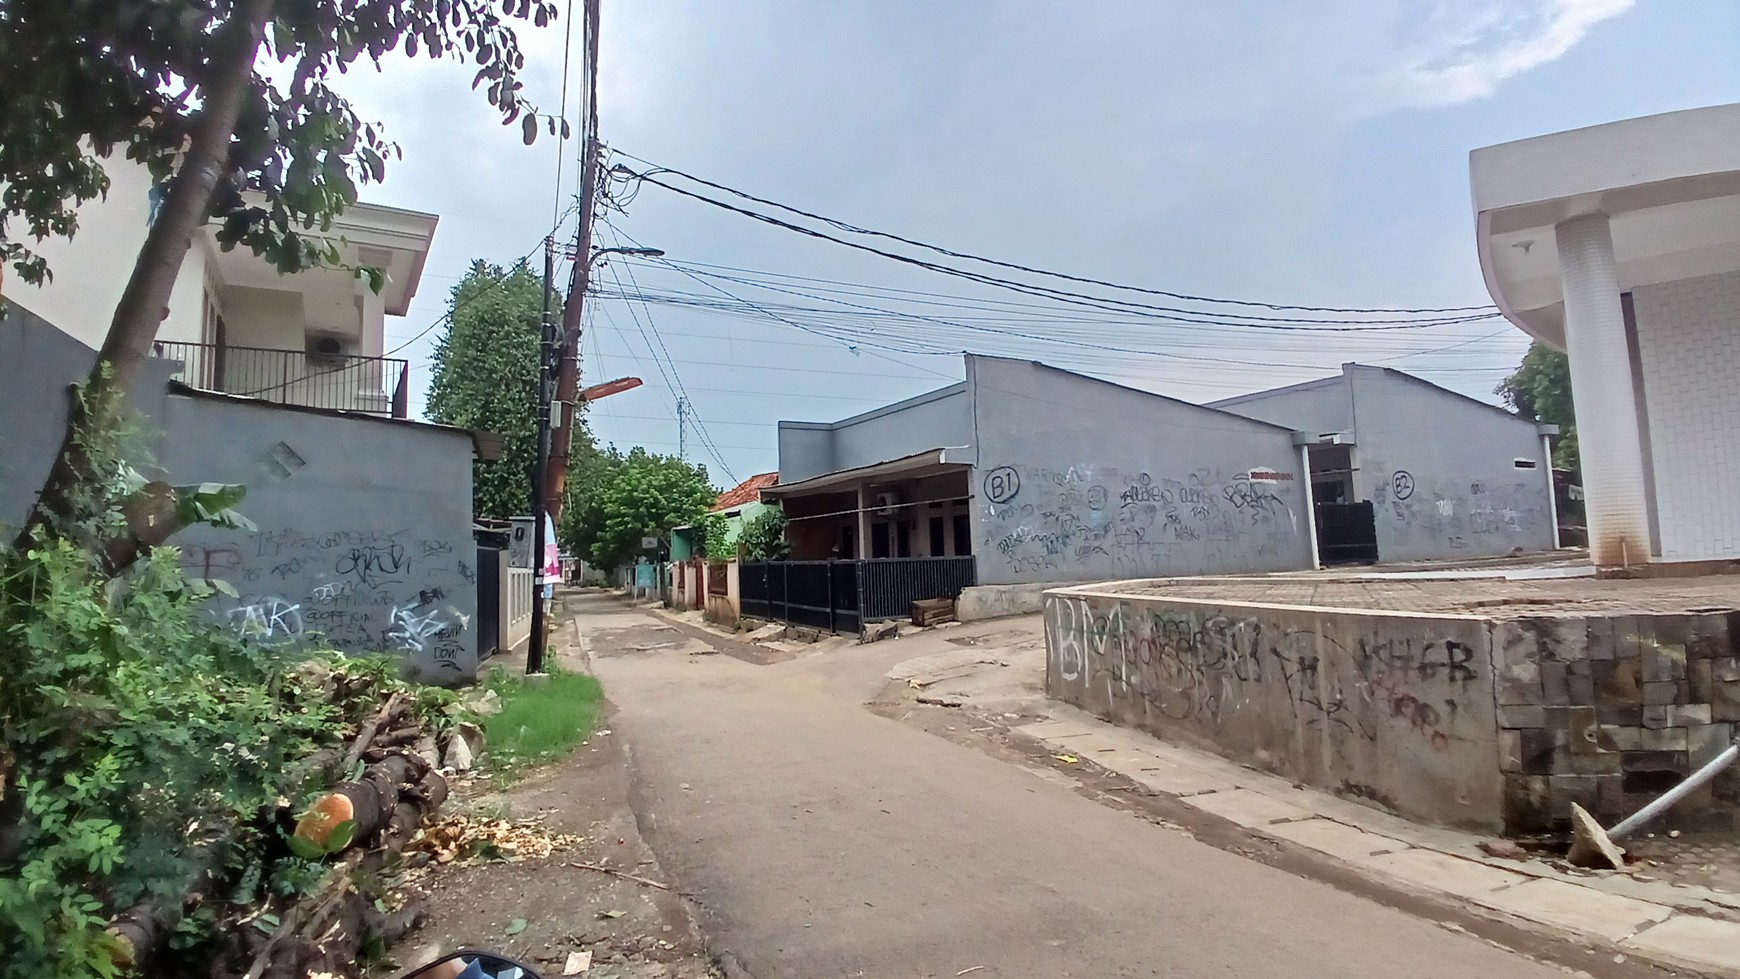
(1310, 503)
(1552, 488)
(1601, 388)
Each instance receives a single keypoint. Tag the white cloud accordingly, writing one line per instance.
(1465, 50)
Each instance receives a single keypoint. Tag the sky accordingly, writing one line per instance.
(1303, 153)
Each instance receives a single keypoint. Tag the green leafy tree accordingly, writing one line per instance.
(1540, 390)
(713, 537)
(763, 538)
(175, 85)
(619, 498)
(485, 377)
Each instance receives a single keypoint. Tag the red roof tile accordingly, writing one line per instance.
(747, 491)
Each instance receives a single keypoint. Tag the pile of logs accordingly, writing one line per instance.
(359, 825)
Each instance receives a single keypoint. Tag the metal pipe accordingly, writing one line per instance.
(1710, 770)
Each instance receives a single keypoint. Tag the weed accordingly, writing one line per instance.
(539, 721)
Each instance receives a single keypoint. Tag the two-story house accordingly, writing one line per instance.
(279, 383)
(237, 326)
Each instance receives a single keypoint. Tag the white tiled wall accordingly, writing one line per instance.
(1689, 341)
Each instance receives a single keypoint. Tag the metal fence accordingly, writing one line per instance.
(841, 596)
(376, 385)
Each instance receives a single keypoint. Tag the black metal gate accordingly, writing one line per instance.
(1346, 533)
(840, 596)
(488, 601)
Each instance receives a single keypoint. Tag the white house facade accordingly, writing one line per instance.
(1620, 244)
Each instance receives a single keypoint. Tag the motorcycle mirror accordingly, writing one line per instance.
(470, 964)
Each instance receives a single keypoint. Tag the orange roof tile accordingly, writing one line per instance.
(747, 491)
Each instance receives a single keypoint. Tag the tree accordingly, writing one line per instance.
(485, 377)
(1540, 390)
(173, 84)
(763, 539)
(617, 499)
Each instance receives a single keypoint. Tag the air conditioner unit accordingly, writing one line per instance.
(328, 349)
(887, 503)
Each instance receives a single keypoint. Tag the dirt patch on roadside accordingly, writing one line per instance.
(541, 909)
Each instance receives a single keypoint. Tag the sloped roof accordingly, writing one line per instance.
(747, 491)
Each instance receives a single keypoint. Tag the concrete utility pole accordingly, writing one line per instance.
(682, 428)
(568, 367)
(540, 462)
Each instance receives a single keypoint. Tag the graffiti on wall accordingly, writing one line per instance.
(1210, 670)
(359, 590)
(1103, 519)
(1463, 514)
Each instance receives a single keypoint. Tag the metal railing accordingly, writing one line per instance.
(889, 586)
(376, 385)
(842, 595)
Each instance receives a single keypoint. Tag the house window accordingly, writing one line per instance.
(963, 535)
(938, 537)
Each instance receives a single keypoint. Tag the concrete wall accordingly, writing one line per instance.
(1079, 479)
(1440, 470)
(1397, 710)
(38, 364)
(1317, 408)
(270, 318)
(805, 449)
(90, 269)
(935, 420)
(1688, 334)
(364, 528)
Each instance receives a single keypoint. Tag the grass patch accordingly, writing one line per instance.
(539, 722)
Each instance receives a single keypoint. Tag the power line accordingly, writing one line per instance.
(673, 381)
(1185, 297)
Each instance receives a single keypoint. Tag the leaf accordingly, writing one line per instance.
(306, 849)
(1067, 759)
(341, 836)
(529, 129)
(611, 914)
(515, 927)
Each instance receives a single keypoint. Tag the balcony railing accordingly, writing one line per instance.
(376, 385)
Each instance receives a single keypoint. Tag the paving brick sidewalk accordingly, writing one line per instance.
(1490, 597)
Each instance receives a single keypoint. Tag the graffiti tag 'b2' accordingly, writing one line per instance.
(1402, 484)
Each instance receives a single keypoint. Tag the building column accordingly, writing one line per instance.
(863, 522)
(1603, 394)
(1552, 488)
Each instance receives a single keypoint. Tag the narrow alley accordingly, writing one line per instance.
(818, 839)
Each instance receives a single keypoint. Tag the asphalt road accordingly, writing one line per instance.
(820, 840)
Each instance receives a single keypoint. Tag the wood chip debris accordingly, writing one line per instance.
(463, 839)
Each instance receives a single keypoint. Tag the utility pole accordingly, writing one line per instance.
(568, 352)
(540, 497)
(682, 428)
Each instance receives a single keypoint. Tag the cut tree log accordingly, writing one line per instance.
(366, 803)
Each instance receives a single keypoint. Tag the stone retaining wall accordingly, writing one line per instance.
(1465, 720)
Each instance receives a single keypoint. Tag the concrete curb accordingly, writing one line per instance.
(1681, 927)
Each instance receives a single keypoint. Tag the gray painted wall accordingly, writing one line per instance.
(364, 528)
(1316, 408)
(37, 365)
(1440, 471)
(805, 449)
(1080, 479)
(368, 540)
(939, 419)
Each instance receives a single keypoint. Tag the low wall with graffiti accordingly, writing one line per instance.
(364, 540)
(1398, 709)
